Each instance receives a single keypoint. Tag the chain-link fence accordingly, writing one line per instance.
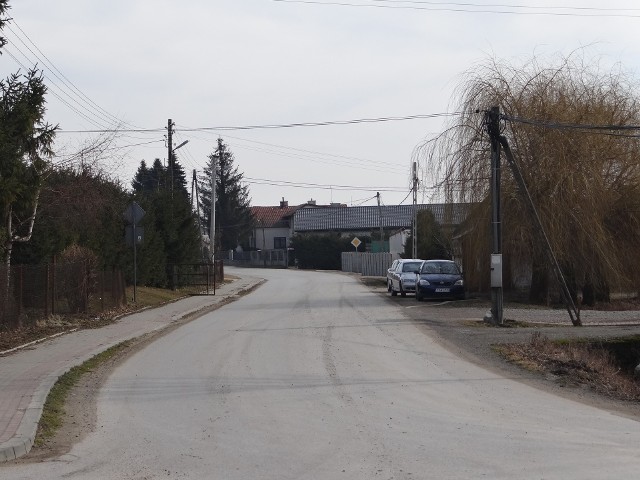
(32, 292)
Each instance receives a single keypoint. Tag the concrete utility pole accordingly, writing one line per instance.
(382, 249)
(200, 226)
(212, 226)
(493, 126)
(414, 250)
(170, 151)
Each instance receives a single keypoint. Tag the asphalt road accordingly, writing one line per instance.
(312, 376)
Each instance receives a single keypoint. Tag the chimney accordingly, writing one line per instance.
(311, 202)
(283, 203)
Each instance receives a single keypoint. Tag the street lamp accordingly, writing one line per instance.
(181, 145)
(171, 162)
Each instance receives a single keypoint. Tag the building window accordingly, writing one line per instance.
(280, 243)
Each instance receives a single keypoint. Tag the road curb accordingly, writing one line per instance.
(22, 441)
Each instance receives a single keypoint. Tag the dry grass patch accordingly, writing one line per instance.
(597, 366)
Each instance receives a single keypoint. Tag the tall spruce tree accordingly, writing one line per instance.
(4, 6)
(165, 199)
(234, 221)
(25, 145)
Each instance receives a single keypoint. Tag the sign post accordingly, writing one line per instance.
(133, 214)
(356, 242)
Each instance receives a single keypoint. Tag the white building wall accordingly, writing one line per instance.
(397, 241)
(265, 237)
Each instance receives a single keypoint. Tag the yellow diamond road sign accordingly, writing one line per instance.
(356, 242)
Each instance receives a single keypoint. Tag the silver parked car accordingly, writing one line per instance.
(401, 277)
(390, 271)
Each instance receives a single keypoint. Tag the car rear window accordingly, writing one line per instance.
(448, 268)
(411, 267)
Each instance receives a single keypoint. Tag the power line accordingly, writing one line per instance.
(323, 154)
(53, 92)
(40, 55)
(70, 101)
(312, 156)
(433, 6)
(585, 128)
(266, 181)
(322, 124)
(298, 157)
(405, 198)
(506, 5)
(277, 126)
(118, 147)
(117, 130)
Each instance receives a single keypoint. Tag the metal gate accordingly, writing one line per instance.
(197, 278)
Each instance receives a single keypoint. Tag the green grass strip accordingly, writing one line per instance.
(53, 411)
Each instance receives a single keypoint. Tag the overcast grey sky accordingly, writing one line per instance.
(220, 63)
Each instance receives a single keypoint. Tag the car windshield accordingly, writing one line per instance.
(412, 267)
(448, 268)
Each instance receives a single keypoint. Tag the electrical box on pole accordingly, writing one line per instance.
(496, 270)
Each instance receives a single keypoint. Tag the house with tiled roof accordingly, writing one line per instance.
(366, 219)
(275, 225)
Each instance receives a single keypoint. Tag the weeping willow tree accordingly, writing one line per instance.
(584, 182)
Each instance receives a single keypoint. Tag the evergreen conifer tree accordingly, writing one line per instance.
(234, 221)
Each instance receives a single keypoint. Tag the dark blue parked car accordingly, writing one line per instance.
(439, 279)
